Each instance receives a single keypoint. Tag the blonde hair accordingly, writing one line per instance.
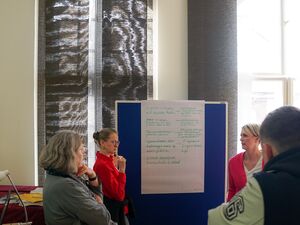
(59, 153)
(251, 128)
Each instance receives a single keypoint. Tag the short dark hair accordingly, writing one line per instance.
(281, 128)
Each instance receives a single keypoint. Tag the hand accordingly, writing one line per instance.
(83, 169)
(121, 164)
(98, 199)
(115, 161)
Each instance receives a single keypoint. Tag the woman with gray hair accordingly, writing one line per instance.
(242, 166)
(67, 198)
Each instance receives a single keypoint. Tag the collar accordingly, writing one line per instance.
(105, 157)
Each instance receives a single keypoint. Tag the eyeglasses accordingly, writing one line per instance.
(115, 142)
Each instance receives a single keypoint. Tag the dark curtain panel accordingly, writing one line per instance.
(124, 74)
(91, 53)
(66, 65)
(63, 68)
(212, 52)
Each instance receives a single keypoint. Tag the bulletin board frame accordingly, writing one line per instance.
(179, 208)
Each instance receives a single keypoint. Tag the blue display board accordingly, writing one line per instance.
(174, 209)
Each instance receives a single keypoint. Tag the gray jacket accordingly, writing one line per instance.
(67, 200)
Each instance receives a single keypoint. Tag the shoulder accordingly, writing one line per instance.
(100, 161)
(60, 185)
(238, 156)
(237, 159)
(56, 182)
(246, 207)
(103, 164)
(66, 190)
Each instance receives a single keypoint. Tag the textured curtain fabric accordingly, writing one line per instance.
(91, 53)
(65, 66)
(212, 52)
(124, 73)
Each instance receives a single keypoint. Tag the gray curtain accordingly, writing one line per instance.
(88, 60)
(212, 57)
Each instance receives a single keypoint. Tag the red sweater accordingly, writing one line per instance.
(236, 175)
(113, 181)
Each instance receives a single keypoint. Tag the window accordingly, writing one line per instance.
(268, 48)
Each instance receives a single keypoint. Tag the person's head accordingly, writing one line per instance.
(250, 136)
(64, 152)
(107, 139)
(280, 131)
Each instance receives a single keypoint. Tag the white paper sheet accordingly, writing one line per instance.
(172, 147)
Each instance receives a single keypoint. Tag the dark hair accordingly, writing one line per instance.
(281, 128)
(103, 134)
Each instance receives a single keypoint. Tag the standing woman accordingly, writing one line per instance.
(68, 199)
(110, 169)
(242, 166)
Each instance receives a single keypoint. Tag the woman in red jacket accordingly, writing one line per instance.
(242, 166)
(111, 171)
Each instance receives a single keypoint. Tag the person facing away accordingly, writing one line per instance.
(242, 166)
(272, 196)
(110, 168)
(68, 199)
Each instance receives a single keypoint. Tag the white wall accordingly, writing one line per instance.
(17, 76)
(172, 63)
(17, 89)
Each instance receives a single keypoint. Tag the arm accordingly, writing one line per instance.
(75, 199)
(246, 207)
(94, 184)
(84, 169)
(112, 180)
(231, 186)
